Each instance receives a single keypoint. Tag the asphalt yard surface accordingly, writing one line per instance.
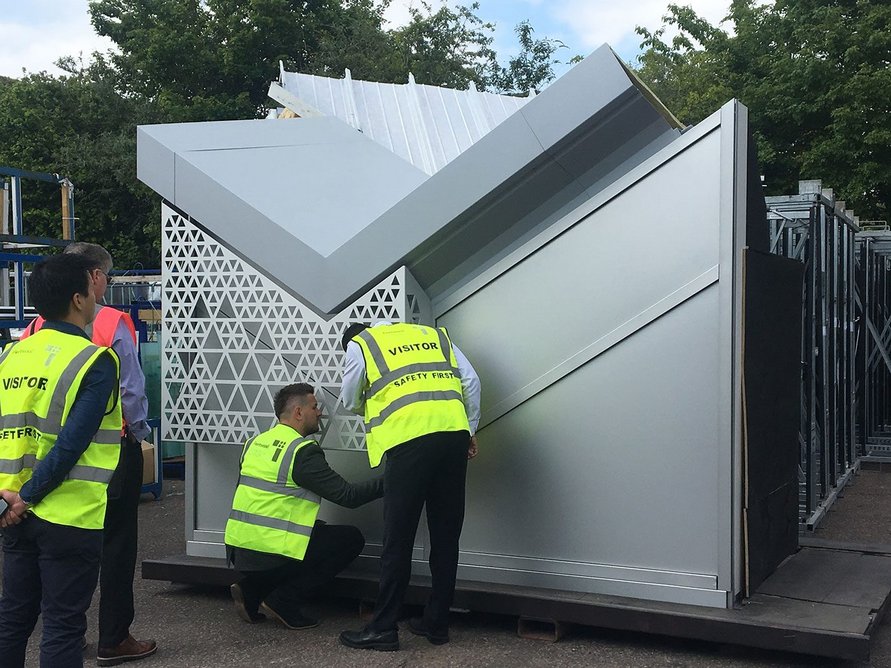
(197, 627)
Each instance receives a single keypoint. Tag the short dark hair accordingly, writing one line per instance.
(283, 396)
(351, 331)
(99, 257)
(54, 282)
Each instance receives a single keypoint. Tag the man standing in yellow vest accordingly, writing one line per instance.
(60, 421)
(420, 397)
(114, 329)
(272, 536)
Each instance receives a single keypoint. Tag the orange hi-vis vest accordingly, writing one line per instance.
(105, 324)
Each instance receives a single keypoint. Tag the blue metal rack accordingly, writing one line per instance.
(155, 488)
(18, 239)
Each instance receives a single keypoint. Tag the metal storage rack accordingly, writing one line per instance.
(13, 240)
(814, 228)
(874, 358)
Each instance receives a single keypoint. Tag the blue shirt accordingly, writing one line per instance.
(82, 424)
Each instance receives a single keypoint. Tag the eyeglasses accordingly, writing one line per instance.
(108, 278)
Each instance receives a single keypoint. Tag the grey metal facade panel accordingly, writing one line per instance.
(605, 402)
(526, 204)
(592, 296)
(612, 465)
(155, 164)
(323, 206)
(596, 83)
(250, 181)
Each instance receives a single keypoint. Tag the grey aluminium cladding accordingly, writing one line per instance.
(352, 211)
(522, 235)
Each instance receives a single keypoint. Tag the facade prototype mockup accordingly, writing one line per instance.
(588, 258)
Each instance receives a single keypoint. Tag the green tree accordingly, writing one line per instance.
(453, 48)
(449, 47)
(815, 74)
(532, 67)
(209, 59)
(214, 59)
(359, 42)
(77, 126)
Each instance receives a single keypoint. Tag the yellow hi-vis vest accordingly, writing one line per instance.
(413, 386)
(270, 512)
(39, 381)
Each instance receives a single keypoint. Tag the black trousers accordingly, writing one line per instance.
(119, 547)
(331, 549)
(428, 470)
(49, 569)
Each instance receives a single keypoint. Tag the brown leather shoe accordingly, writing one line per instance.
(130, 649)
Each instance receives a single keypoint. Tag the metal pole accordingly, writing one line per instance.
(4, 228)
(67, 190)
(17, 229)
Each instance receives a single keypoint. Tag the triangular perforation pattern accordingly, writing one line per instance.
(233, 338)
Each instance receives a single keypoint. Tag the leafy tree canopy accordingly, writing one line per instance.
(214, 59)
(78, 126)
(815, 75)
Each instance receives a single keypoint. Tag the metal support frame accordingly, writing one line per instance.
(874, 331)
(12, 191)
(813, 228)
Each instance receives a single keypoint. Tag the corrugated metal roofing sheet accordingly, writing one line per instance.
(426, 125)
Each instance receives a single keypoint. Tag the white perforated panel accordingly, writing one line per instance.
(233, 337)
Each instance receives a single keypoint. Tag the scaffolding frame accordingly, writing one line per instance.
(815, 229)
(874, 360)
(13, 239)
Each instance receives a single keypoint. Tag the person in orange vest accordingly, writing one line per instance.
(114, 329)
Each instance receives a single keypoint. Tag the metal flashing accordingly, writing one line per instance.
(428, 126)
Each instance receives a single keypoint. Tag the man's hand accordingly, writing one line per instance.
(16, 511)
(473, 450)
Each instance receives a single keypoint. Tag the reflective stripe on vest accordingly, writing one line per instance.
(39, 382)
(14, 466)
(271, 523)
(413, 385)
(270, 512)
(24, 420)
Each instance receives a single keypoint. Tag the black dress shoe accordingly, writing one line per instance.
(416, 626)
(245, 604)
(384, 641)
(292, 619)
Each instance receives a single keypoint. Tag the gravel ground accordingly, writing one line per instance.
(196, 627)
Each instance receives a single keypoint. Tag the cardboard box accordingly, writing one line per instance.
(148, 463)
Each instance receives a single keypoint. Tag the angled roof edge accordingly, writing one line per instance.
(651, 96)
(573, 139)
(262, 185)
(575, 212)
(578, 134)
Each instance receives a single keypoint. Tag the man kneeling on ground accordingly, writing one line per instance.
(272, 536)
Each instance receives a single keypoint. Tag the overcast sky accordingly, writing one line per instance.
(36, 33)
